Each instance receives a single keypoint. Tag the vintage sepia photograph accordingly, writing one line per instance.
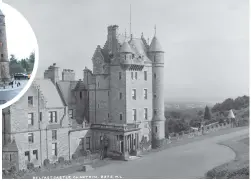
(17, 48)
(137, 89)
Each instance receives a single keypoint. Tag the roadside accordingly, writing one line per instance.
(100, 163)
(237, 168)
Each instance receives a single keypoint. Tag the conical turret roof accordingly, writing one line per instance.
(231, 114)
(126, 48)
(155, 45)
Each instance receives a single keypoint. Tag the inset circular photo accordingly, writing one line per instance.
(18, 55)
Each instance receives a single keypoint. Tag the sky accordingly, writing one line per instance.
(21, 40)
(206, 42)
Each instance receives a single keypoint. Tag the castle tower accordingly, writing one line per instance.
(156, 54)
(4, 62)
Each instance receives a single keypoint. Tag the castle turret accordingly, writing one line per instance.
(4, 62)
(126, 53)
(156, 54)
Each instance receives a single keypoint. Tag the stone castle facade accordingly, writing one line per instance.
(116, 107)
(4, 62)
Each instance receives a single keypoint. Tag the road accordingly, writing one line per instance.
(187, 161)
(9, 93)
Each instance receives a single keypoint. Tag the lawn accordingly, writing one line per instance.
(237, 168)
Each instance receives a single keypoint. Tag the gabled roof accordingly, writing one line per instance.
(231, 114)
(65, 90)
(1, 13)
(49, 92)
(155, 45)
(10, 147)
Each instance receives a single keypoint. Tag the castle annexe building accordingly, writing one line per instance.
(116, 107)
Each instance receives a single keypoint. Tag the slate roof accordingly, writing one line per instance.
(50, 93)
(11, 147)
(65, 89)
(1, 13)
(126, 48)
(231, 114)
(155, 45)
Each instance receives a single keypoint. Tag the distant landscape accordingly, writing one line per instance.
(180, 116)
(25, 65)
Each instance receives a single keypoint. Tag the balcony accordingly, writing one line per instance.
(124, 127)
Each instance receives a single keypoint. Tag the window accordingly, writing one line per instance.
(101, 139)
(145, 93)
(27, 155)
(108, 93)
(136, 75)
(155, 75)
(120, 95)
(35, 153)
(132, 75)
(155, 112)
(145, 113)
(40, 116)
(134, 94)
(88, 143)
(133, 56)
(108, 115)
(134, 114)
(30, 100)
(98, 84)
(145, 75)
(53, 117)
(155, 96)
(120, 75)
(70, 113)
(1, 55)
(30, 138)
(156, 129)
(30, 119)
(54, 134)
(125, 57)
(54, 149)
(80, 95)
(98, 105)
(121, 116)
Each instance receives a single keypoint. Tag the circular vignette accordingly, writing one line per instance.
(34, 71)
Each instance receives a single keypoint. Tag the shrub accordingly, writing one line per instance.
(46, 162)
(61, 160)
(30, 166)
(74, 156)
(83, 152)
(13, 169)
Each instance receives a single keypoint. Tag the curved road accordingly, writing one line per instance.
(187, 161)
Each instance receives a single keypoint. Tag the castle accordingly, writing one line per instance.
(4, 62)
(116, 107)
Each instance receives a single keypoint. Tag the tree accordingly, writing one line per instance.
(207, 114)
(200, 113)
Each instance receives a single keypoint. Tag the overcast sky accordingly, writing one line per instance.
(205, 41)
(21, 40)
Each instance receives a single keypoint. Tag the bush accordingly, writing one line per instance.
(84, 152)
(61, 160)
(74, 156)
(13, 169)
(30, 166)
(46, 162)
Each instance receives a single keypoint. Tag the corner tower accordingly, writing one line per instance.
(4, 62)
(156, 54)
